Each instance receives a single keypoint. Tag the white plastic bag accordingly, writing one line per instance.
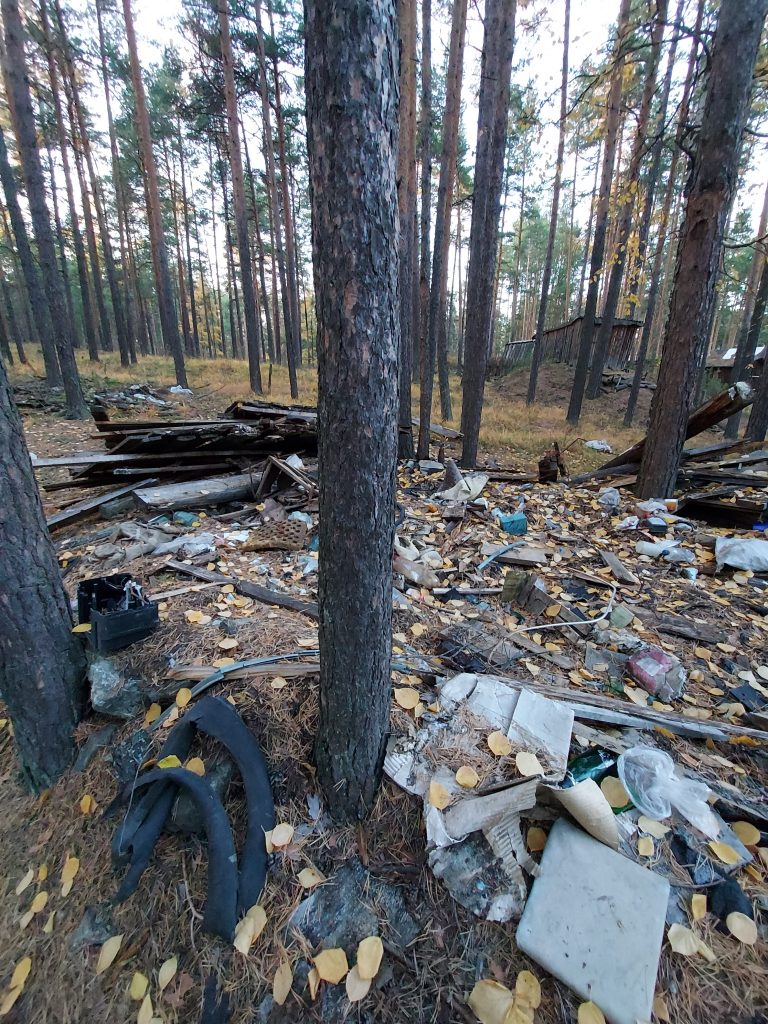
(650, 778)
(742, 553)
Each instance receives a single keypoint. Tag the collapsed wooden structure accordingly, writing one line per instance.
(561, 344)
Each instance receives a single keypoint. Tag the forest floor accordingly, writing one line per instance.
(426, 978)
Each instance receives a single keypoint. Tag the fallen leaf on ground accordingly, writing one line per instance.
(528, 764)
(310, 877)
(742, 927)
(406, 697)
(614, 792)
(38, 903)
(166, 972)
(439, 796)
(183, 697)
(645, 846)
(660, 1009)
(331, 965)
(228, 643)
(467, 777)
(278, 683)
(369, 955)
(698, 906)
(26, 881)
(652, 827)
(87, 804)
(21, 973)
(282, 983)
(196, 765)
(48, 926)
(536, 839)
(84, 627)
(499, 744)
(108, 952)
(313, 980)
(490, 1001)
(250, 928)
(747, 833)
(590, 1013)
(171, 761)
(282, 834)
(146, 1012)
(139, 986)
(682, 940)
(357, 987)
(528, 990)
(153, 713)
(724, 852)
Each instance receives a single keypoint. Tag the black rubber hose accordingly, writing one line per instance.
(217, 718)
(221, 904)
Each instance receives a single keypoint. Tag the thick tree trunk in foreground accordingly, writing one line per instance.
(436, 332)
(42, 665)
(26, 133)
(425, 213)
(713, 180)
(352, 121)
(601, 218)
(493, 111)
(252, 334)
(168, 322)
(629, 190)
(542, 314)
(406, 207)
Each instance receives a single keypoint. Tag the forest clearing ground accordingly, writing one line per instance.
(430, 979)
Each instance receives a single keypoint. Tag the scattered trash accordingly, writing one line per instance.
(599, 446)
(467, 489)
(742, 553)
(658, 672)
(656, 787)
(609, 498)
(117, 610)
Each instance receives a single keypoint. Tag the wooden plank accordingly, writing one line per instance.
(286, 669)
(110, 459)
(617, 567)
(676, 625)
(248, 589)
(214, 490)
(437, 428)
(83, 508)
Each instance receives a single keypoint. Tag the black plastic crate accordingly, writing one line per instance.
(102, 602)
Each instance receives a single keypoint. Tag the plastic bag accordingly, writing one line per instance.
(650, 778)
(742, 553)
(609, 498)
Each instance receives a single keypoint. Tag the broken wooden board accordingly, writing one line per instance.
(213, 490)
(677, 625)
(617, 567)
(495, 650)
(83, 508)
(248, 589)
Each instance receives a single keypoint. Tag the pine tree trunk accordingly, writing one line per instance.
(63, 263)
(711, 186)
(188, 245)
(260, 255)
(252, 333)
(493, 112)
(160, 265)
(624, 219)
(26, 134)
(352, 120)
(34, 286)
(42, 665)
(547, 275)
(436, 335)
(214, 218)
(596, 267)
(757, 424)
(590, 223)
(12, 324)
(406, 207)
(418, 355)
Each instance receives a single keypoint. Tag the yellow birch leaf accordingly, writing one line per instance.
(108, 952)
(310, 877)
(42, 872)
(278, 683)
(9, 1001)
(698, 906)
(536, 839)
(660, 1009)
(489, 1001)
(26, 881)
(682, 940)
(196, 766)
(313, 980)
(357, 987)
(528, 990)
(282, 983)
(153, 713)
(439, 796)
(38, 903)
(724, 852)
(417, 629)
(553, 611)
(499, 744)
(528, 764)
(48, 926)
(406, 697)
(223, 662)
(703, 949)
(25, 919)
(590, 1013)
(84, 627)
(282, 835)
(746, 832)
(139, 986)
(645, 846)
(166, 972)
(227, 644)
(467, 777)
(183, 697)
(369, 955)
(331, 965)
(87, 804)
(171, 761)
(742, 927)
(21, 973)
(146, 1013)
(652, 827)
(614, 792)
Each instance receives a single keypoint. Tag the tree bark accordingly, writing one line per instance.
(418, 353)
(436, 336)
(601, 217)
(352, 121)
(711, 186)
(160, 265)
(29, 270)
(42, 665)
(546, 277)
(406, 207)
(493, 112)
(188, 245)
(624, 219)
(757, 425)
(253, 339)
(26, 134)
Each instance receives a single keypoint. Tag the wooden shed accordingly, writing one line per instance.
(561, 344)
(721, 365)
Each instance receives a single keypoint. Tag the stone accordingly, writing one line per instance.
(430, 466)
(94, 743)
(126, 757)
(113, 692)
(95, 927)
(185, 816)
(595, 920)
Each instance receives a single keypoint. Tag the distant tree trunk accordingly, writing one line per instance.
(546, 277)
(63, 263)
(624, 218)
(590, 222)
(569, 245)
(238, 200)
(757, 424)
(596, 268)
(516, 322)
(352, 116)
(260, 253)
(748, 338)
(425, 158)
(711, 185)
(170, 174)
(160, 265)
(91, 326)
(26, 134)
(12, 324)
(214, 218)
(188, 246)
(29, 269)
(42, 665)
(436, 332)
(407, 207)
(291, 338)
(493, 112)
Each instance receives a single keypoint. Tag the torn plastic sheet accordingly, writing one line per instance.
(465, 490)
